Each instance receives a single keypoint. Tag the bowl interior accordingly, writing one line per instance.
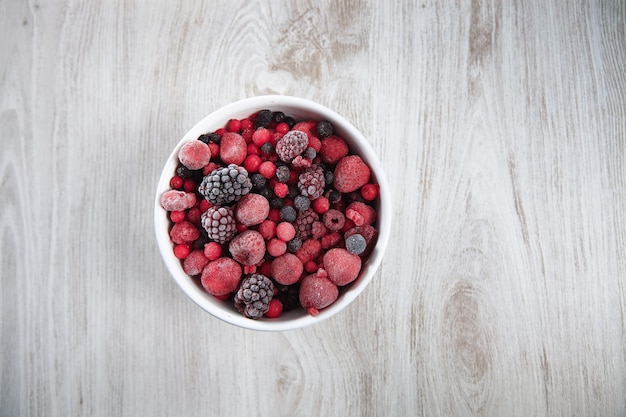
(300, 109)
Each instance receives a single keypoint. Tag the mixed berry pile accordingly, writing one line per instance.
(272, 214)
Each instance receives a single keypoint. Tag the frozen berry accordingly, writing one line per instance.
(248, 248)
(233, 125)
(267, 169)
(321, 205)
(292, 144)
(184, 232)
(294, 244)
(221, 277)
(351, 173)
(276, 247)
(317, 292)
(177, 216)
(233, 148)
(369, 192)
(176, 182)
(311, 182)
(285, 231)
(360, 213)
(267, 228)
(342, 266)
(219, 223)
(182, 250)
(225, 185)
(304, 222)
(333, 219)
(288, 214)
(212, 250)
(324, 129)
(195, 262)
(333, 149)
(275, 309)
(252, 209)
(253, 297)
(258, 181)
(301, 203)
(194, 154)
(261, 136)
(283, 173)
(356, 244)
(287, 269)
(174, 200)
(310, 249)
(263, 118)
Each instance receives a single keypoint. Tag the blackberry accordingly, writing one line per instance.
(263, 118)
(219, 224)
(254, 295)
(282, 173)
(294, 244)
(278, 116)
(324, 129)
(304, 223)
(288, 214)
(312, 182)
(258, 181)
(225, 185)
(292, 144)
(301, 203)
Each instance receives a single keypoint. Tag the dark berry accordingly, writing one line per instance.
(184, 172)
(267, 148)
(324, 129)
(278, 116)
(334, 196)
(225, 185)
(263, 118)
(266, 192)
(329, 177)
(291, 122)
(294, 244)
(204, 138)
(282, 173)
(301, 203)
(309, 153)
(356, 244)
(258, 181)
(288, 214)
(276, 202)
(254, 296)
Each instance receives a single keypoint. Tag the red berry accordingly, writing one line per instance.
(247, 124)
(333, 148)
(285, 231)
(267, 229)
(184, 232)
(321, 205)
(282, 128)
(274, 215)
(233, 148)
(173, 200)
(176, 182)
(194, 215)
(247, 135)
(275, 309)
(247, 248)
(315, 143)
(310, 266)
(252, 209)
(252, 163)
(342, 266)
(204, 205)
(351, 173)
(189, 185)
(177, 216)
(212, 251)
(210, 167)
(370, 191)
(317, 292)
(276, 247)
(194, 154)
(221, 276)
(287, 269)
(181, 251)
(267, 169)
(253, 149)
(281, 190)
(195, 262)
(261, 136)
(241, 227)
(233, 125)
(221, 131)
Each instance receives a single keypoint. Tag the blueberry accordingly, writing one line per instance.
(324, 129)
(301, 203)
(263, 118)
(356, 244)
(288, 214)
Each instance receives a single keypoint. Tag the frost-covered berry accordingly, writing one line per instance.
(356, 244)
(312, 182)
(219, 223)
(225, 185)
(292, 144)
(324, 129)
(254, 296)
(288, 214)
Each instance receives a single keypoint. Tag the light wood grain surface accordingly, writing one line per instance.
(501, 126)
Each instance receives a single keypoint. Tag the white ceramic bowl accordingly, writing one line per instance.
(300, 109)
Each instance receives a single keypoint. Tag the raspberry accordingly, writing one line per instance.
(252, 209)
(184, 232)
(219, 223)
(360, 213)
(317, 292)
(194, 154)
(342, 266)
(221, 276)
(275, 309)
(291, 145)
(276, 247)
(304, 222)
(330, 240)
(254, 296)
(351, 173)
(247, 248)
(195, 262)
(311, 182)
(300, 162)
(309, 250)
(333, 220)
(333, 149)
(174, 200)
(233, 148)
(181, 251)
(225, 185)
(318, 230)
(369, 192)
(285, 231)
(324, 129)
(212, 251)
(287, 269)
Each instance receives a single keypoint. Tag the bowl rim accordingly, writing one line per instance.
(357, 143)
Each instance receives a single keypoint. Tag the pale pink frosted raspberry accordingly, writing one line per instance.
(184, 232)
(360, 213)
(195, 262)
(174, 200)
(248, 248)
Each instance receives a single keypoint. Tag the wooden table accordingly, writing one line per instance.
(501, 126)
